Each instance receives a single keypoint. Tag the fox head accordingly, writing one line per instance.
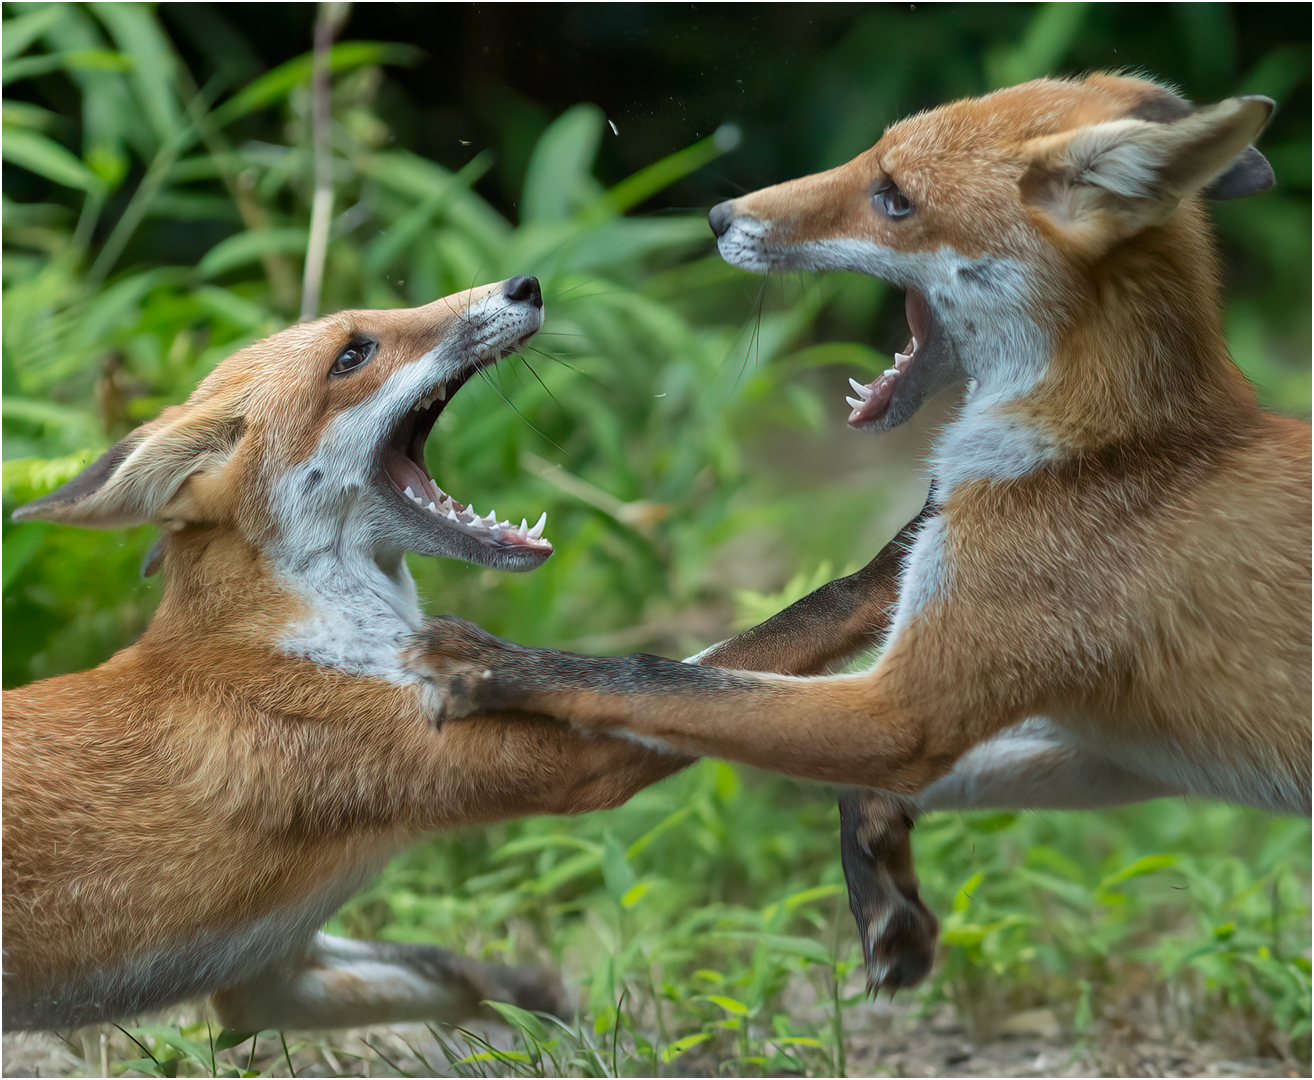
(1000, 216)
(313, 440)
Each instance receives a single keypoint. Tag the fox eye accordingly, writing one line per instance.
(355, 355)
(892, 202)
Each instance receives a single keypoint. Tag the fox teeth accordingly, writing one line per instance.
(892, 370)
(863, 392)
(537, 531)
(854, 403)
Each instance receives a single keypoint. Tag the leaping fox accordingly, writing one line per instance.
(1107, 597)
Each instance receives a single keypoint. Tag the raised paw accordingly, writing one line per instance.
(898, 941)
(898, 931)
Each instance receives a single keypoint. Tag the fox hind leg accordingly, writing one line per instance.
(339, 982)
(898, 931)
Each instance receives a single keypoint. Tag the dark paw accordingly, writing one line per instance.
(898, 943)
(450, 646)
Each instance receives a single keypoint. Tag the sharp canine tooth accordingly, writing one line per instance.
(537, 530)
(860, 390)
(854, 403)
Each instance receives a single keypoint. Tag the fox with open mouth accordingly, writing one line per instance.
(1107, 596)
(182, 819)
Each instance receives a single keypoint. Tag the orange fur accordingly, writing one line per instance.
(203, 779)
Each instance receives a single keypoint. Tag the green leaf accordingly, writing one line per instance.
(47, 158)
(274, 85)
(522, 1020)
(21, 31)
(660, 175)
(526, 844)
(21, 544)
(810, 896)
(963, 898)
(652, 835)
(681, 1046)
(228, 1038)
(137, 33)
(1146, 864)
(807, 948)
(729, 1004)
(249, 247)
(29, 67)
(559, 179)
(634, 894)
(616, 872)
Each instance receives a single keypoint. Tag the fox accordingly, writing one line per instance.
(181, 820)
(1106, 598)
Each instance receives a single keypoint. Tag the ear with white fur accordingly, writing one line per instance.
(137, 478)
(1116, 178)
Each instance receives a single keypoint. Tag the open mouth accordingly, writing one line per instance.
(874, 398)
(404, 467)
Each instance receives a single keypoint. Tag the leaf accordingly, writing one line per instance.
(963, 898)
(250, 247)
(274, 85)
(21, 31)
(559, 179)
(634, 894)
(47, 158)
(729, 1004)
(1146, 864)
(660, 175)
(20, 545)
(522, 1020)
(652, 835)
(137, 33)
(526, 844)
(808, 949)
(616, 872)
(810, 896)
(69, 60)
(681, 1046)
(228, 1038)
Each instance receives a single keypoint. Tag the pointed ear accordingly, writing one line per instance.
(1116, 178)
(134, 481)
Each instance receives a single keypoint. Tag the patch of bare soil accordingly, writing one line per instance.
(882, 1039)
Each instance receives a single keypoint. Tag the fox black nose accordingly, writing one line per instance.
(719, 218)
(524, 288)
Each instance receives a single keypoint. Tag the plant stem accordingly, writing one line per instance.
(327, 22)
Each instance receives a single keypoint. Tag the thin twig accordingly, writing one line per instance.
(327, 22)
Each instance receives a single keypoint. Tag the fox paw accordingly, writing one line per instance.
(898, 941)
(459, 660)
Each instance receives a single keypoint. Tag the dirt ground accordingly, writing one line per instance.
(883, 1039)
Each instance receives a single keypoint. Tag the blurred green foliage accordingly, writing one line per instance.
(679, 421)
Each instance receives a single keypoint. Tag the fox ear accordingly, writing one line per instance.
(137, 478)
(1120, 177)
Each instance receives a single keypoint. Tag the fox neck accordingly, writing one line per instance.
(341, 606)
(1135, 359)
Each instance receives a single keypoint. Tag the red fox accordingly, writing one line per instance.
(1107, 598)
(182, 819)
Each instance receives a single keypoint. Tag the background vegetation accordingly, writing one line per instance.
(679, 420)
